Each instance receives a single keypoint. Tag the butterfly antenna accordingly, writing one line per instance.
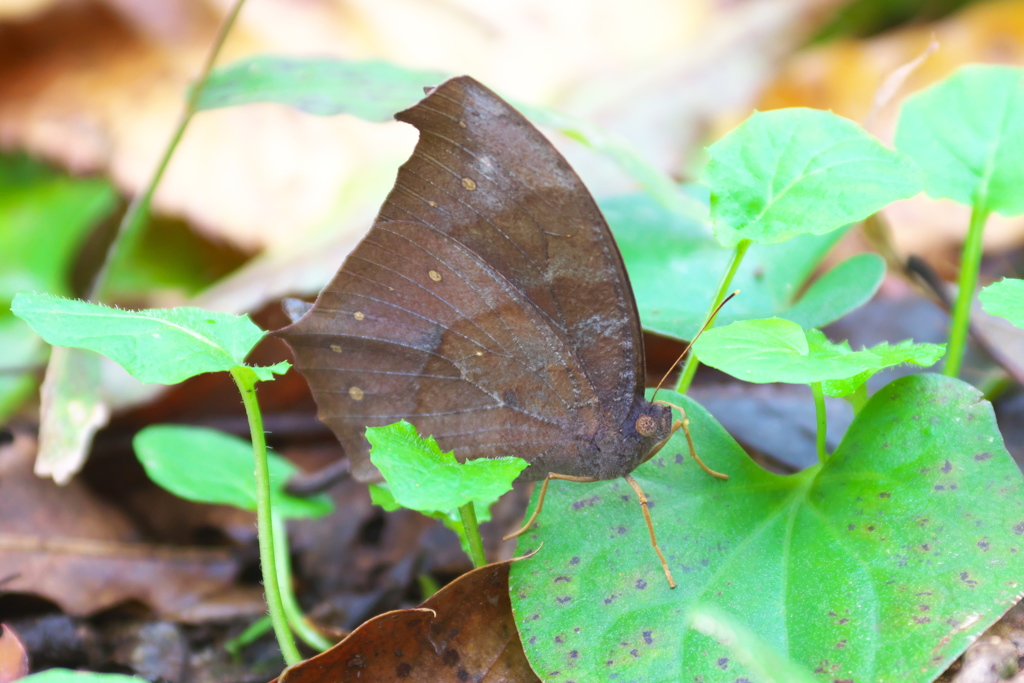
(705, 326)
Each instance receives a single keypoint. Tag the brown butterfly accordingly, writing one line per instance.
(489, 306)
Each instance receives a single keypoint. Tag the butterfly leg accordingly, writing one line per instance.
(684, 424)
(650, 527)
(544, 492)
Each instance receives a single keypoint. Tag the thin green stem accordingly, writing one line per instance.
(471, 533)
(246, 381)
(130, 229)
(690, 368)
(250, 635)
(859, 398)
(821, 418)
(293, 612)
(970, 263)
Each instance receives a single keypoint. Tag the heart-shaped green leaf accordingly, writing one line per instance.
(777, 350)
(165, 345)
(791, 172)
(209, 466)
(1005, 299)
(675, 265)
(967, 133)
(880, 565)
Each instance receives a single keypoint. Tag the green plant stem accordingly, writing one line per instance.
(130, 229)
(859, 398)
(690, 368)
(471, 532)
(246, 381)
(293, 612)
(970, 263)
(249, 636)
(822, 420)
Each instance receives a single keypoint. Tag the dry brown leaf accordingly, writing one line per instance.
(66, 545)
(13, 658)
(98, 86)
(464, 632)
(845, 76)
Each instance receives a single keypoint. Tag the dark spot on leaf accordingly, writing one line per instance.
(723, 663)
(924, 470)
(947, 467)
(625, 498)
(621, 531)
(574, 560)
(925, 547)
(884, 494)
(841, 644)
(462, 675)
(952, 487)
(870, 528)
(609, 599)
(554, 673)
(984, 545)
(634, 652)
(648, 637)
(573, 654)
(924, 608)
(559, 639)
(679, 458)
(450, 657)
(981, 457)
(562, 579)
(832, 614)
(922, 620)
(641, 584)
(966, 578)
(1018, 529)
(844, 621)
(534, 617)
(564, 599)
(576, 630)
(609, 662)
(403, 670)
(851, 527)
(586, 503)
(940, 487)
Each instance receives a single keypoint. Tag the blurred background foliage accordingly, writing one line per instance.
(263, 201)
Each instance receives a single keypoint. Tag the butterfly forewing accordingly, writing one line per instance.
(488, 305)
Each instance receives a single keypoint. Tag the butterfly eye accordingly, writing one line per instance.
(646, 425)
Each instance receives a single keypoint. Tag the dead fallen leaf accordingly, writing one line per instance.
(13, 658)
(70, 412)
(69, 547)
(463, 632)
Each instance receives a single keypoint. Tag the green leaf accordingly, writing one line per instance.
(848, 286)
(889, 356)
(777, 350)
(967, 133)
(675, 265)
(752, 652)
(34, 201)
(791, 172)
(69, 676)
(373, 90)
(156, 345)
(421, 477)
(1005, 299)
(886, 561)
(209, 466)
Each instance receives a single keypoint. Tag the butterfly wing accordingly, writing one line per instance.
(488, 305)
